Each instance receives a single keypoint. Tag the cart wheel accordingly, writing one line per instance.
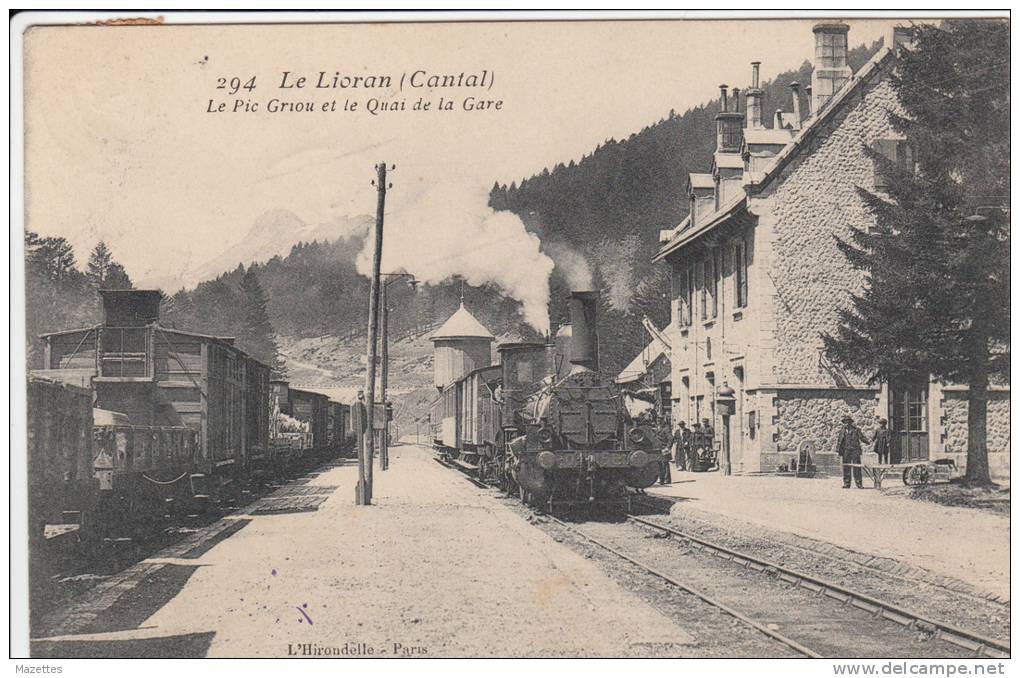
(919, 474)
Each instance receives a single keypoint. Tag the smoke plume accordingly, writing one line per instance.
(571, 263)
(447, 230)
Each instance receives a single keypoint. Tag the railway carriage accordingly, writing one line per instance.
(466, 422)
(133, 425)
(168, 380)
(340, 430)
(311, 413)
(62, 486)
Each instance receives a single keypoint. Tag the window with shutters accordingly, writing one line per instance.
(714, 265)
(702, 291)
(740, 274)
(682, 277)
(689, 297)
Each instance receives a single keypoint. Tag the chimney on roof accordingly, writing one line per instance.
(795, 89)
(729, 132)
(736, 99)
(807, 93)
(831, 68)
(899, 36)
(753, 96)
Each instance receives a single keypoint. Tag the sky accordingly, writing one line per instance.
(120, 146)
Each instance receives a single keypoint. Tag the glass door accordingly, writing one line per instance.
(908, 421)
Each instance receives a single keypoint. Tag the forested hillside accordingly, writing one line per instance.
(610, 206)
(602, 214)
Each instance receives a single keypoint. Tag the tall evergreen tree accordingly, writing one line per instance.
(51, 257)
(105, 273)
(117, 278)
(936, 298)
(257, 336)
(99, 264)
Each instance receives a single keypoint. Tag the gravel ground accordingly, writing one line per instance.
(966, 611)
(824, 625)
(962, 543)
(715, 633)
(437, 567)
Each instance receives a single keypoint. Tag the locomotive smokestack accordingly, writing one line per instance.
(584, 349)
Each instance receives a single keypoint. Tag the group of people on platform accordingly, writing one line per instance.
(680, 444)
(848, 448)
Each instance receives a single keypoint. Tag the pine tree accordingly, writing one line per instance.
(117, 278)
(936, 300)
(105, 273)
(99, 264)
(257, 336)
(51, 257)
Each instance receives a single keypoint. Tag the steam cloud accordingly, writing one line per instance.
(572, 264)
(448, 230)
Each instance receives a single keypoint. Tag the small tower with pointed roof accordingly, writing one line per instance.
(461, 345)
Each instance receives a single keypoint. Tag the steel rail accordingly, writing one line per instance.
(775, 635)
(968, 640)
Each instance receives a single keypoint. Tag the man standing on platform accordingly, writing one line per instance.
(882, 442)
(359, 420)
(848, 447)
(681, 441)
(665, 449)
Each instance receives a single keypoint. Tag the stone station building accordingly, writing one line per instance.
(757, 277)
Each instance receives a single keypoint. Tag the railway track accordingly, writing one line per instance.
(818, 618)
(980, 645)
(890, 627)
(711, 600)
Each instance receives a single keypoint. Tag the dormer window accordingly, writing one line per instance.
(731, 137)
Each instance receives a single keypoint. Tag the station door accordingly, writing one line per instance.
(908, 421)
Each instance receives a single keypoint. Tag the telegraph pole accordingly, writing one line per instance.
(384, 444)
(366, 455)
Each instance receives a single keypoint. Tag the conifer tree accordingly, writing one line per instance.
(936, 260)
(99, 263)
(257, 336)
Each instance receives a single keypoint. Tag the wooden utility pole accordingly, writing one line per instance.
(384, 443)
(367, 454)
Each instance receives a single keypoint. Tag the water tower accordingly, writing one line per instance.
(462, 344)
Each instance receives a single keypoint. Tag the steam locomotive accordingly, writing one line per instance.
(545, 425)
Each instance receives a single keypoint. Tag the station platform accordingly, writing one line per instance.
(962, 548)
(435, 568)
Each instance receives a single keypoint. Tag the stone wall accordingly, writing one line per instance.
(815, 416)
(954, 432)
(813, 202)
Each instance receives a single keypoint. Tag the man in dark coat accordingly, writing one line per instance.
(681, 443)
(882, 442)
(665, 445)
(848, 447)
(359, 419)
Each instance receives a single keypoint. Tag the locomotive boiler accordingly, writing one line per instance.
(570, 440)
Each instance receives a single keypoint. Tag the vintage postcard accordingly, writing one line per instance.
(512, 335)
